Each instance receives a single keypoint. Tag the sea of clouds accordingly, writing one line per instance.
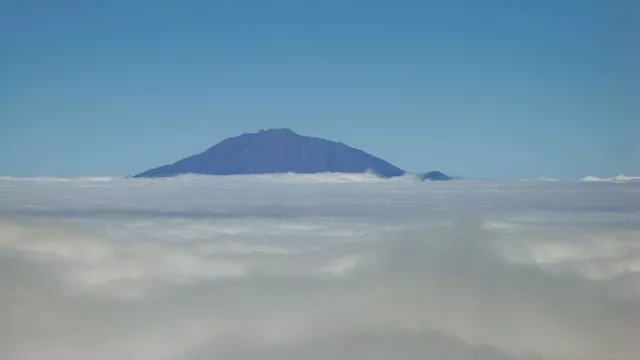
(318, 267)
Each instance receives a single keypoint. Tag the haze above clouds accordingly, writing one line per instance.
(318, 267)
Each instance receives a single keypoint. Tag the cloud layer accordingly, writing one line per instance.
(318, 267)
(616, 178)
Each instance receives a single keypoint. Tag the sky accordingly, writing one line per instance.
(484, 89)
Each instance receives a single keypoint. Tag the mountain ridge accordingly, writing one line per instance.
(280, 150)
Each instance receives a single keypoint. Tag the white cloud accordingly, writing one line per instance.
(616, 178)
(317, 267)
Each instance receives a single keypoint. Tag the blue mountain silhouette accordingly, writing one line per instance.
(276, 151)
(435, 175)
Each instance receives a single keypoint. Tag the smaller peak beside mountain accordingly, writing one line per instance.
(435, 175)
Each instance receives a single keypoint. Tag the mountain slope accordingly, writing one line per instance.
(276, 151)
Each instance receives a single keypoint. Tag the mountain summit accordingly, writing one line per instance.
(276, 151)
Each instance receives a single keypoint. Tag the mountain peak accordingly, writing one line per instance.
(277, 150)
(278, 131)
(435, 175)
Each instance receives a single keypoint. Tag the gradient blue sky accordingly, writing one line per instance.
(499, 89)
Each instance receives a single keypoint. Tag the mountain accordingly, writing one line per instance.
(435, 175)
(276, 151)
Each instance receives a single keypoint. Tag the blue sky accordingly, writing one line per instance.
(492, 89)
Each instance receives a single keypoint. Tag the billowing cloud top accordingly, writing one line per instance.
(318, 267)
(619, 177)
